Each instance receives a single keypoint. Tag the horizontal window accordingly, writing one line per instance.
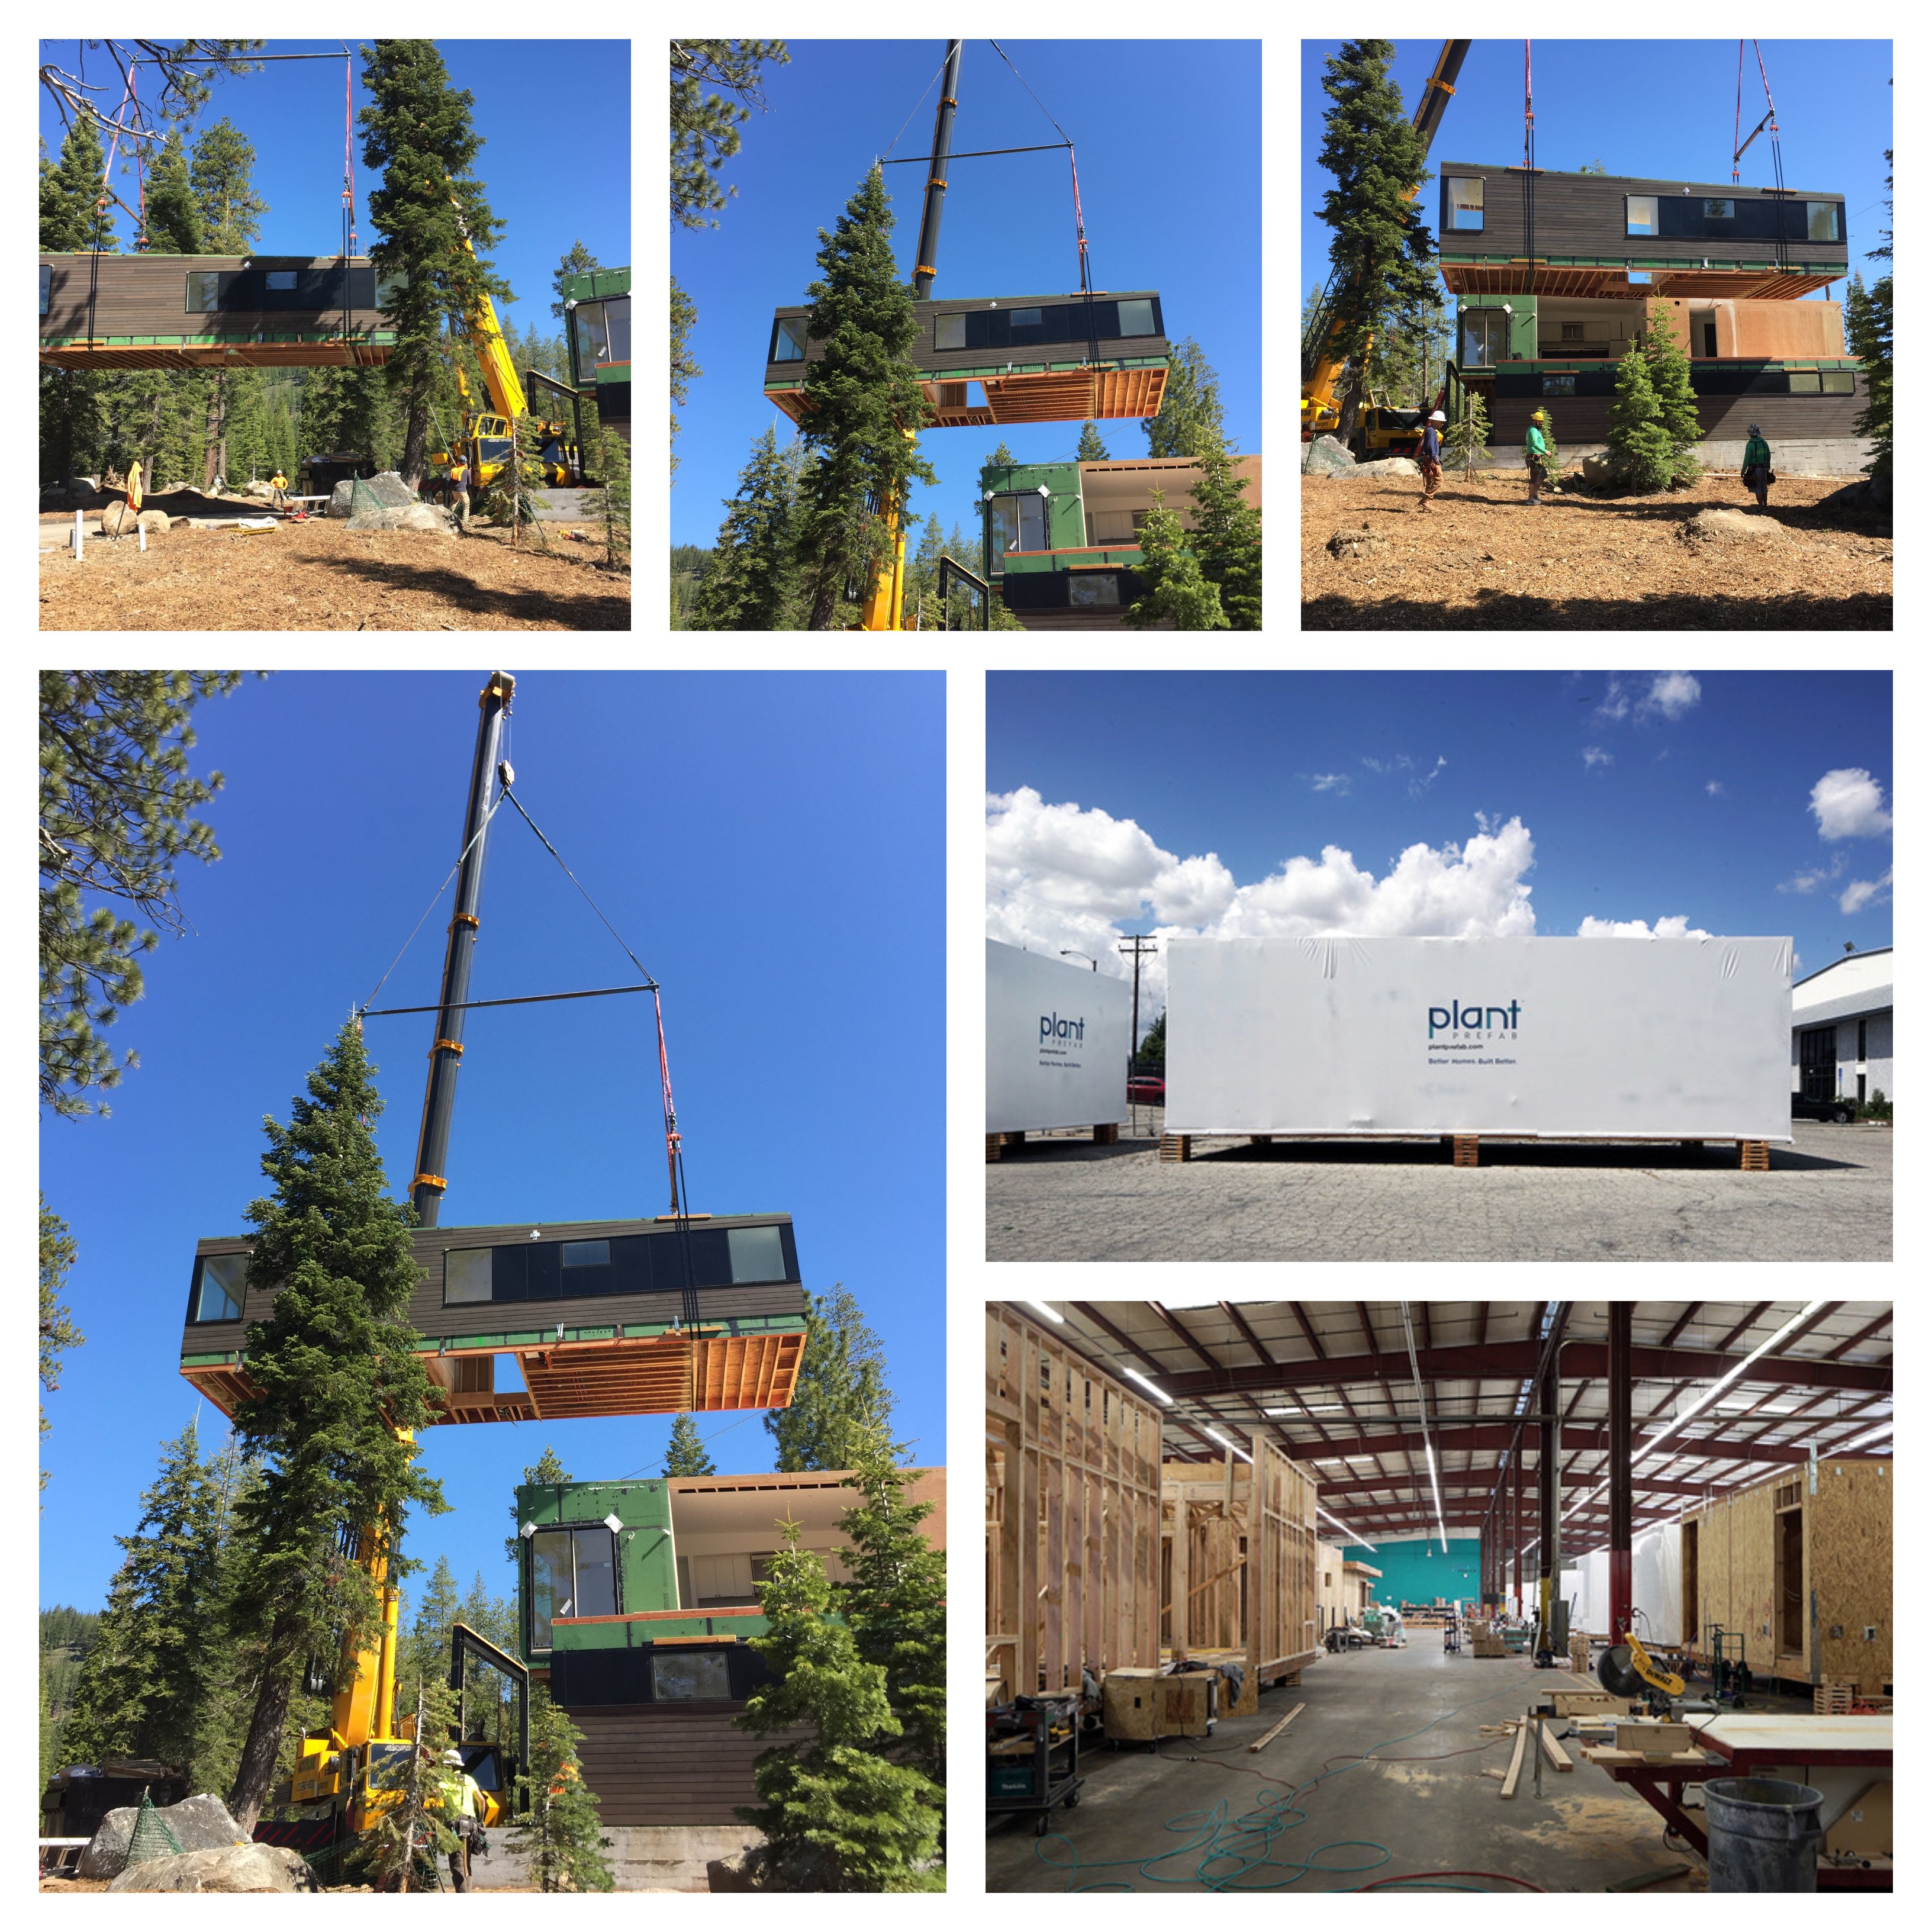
(663, 1263)
(1821, 221)
(1070, 322)
(281, 278)
(690, 1676)
(1804, 382)
(1573, 331)
(1136, 318)
(1556, 385)
(219, 1280)
(1715, 210)
(1840, 383)
(1093, 590)
(1024, 318)
(1466, 201)
(1640, 215)
(787, 341)
(586, 1254)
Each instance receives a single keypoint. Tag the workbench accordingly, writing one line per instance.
(1836, 1756)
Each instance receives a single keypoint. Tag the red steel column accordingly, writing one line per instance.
(1516, 1540)
(1620, 1470)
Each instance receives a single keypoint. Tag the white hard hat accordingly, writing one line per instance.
(455, 1757)
(1436, 415)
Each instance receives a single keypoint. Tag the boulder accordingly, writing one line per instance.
(199, 1824)
(1870, 494)
(390, 490)
(156, 520)
(243, 1867)
(1354, 546)
(266, 491)
(427, 516)
(1730, 527)
(1600, 472)
(1326, 457)
(1388, 465)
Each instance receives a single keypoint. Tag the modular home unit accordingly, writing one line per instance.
(1799, 1568)
(1057, 1046)
(598, 304)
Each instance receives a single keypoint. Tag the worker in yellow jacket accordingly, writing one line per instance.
(279, 484)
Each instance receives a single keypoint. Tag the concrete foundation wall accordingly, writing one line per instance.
(644, 1858)
(1843, 457)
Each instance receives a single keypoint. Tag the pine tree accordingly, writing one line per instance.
(838, 1814)
(752, 583)
(420, 133)
(894, 1601)
(58, 1333)
(704, 127)
(141, 1693)
(683, 363)
(576, 260)
(117, 805)
(1381, 255)
(72, 217)
(174, 220)
(1868, 336)
(1638, 443)
(337, 1390)
(1092, 449)
(687, 1456)
(222, 175)
(1172, 585)
(840, 1401)
(1150, 1057)
(562, 1834)
(863, 405)
(1227, 535)
(405, 1839)
(1190, 403)
(546, 1472)
(1002, 458)
(1669, 370)
(1466, 440)
(424, 1656)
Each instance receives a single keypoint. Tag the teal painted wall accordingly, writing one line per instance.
(1419, 1573)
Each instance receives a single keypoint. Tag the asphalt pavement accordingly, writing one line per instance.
(1827, 1197)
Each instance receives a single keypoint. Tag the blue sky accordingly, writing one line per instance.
(529, 95)
(723, 823)
(1741, 803)
(1647, 108)
(1158, 216)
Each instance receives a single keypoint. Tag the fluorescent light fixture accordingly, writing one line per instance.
(1724, 1381)
(1159, 1394)
(1051, 1314)
(1217, 1436)
(1354, 1535)
(1885, 1428)
(1320, 1408)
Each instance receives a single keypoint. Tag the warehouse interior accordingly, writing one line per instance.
(1482, 1596)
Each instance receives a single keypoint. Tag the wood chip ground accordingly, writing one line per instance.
(320, 576)
(1480, 559)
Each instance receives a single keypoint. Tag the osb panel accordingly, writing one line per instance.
(1072, 1514)
(1851, 1564)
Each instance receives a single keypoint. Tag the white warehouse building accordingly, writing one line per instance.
(1841, 1030)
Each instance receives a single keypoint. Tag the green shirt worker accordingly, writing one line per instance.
(1756, 473)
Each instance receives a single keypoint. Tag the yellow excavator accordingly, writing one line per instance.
(1324, 361)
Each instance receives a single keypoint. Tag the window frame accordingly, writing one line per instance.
(1814, 208)
(1828, 380)
(1720, 207)
(1569, 331)
(782, 334)
(489, 1270)
(954, 321)
(565, 1260)
(46, 286)
(1457, 225)
(1559, 381)
(1803, 383)
(1123, 333)
(1630, 227)
(211, 277)
(1026, 318)
(198, 1289)
(575, 1531)
(280, 281)
(721, 1657)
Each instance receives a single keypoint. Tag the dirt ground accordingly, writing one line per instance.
(320, 576)
(1479, 559)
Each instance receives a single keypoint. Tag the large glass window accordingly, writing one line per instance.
(758, 1254)
(204, 292)
(281, 278)
(1803, 382)
(617, 328)
(1555, 384)
(1466, 201)
(573, 1574)
(588, 337)
(948, 331)
(390, 283)
(1024, 318)
(1093, 590)
(1821, 221)
(787, 339)
(1840, 382)
(1485, 337)
(46, 286)
(1715, 210)
(1019, 523)
(688, 1676)
(217, 1293)
(466, 1275)
(1640, 215)
(586, 1254)
(1136, 318)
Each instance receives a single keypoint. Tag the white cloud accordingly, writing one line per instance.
(1861, 893)
(1335, 781)
(1417, 786)
(1809, 882)
(1614, 703)
(1672, 694)
(1594, 755)
(1713, 788)
(1063, 876)
(1676, 925)
(1849, 804)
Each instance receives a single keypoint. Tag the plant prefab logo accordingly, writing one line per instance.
(1457, 1018)
(1065, 1033)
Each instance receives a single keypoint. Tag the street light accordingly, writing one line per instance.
(1067, 952)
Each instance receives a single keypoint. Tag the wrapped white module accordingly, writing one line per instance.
(1592, 1038)
(1056, 1043)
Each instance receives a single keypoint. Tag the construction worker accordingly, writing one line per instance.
(460, 1799)
(1536, 453)
(459, 492)
(1431, 457)
(1756, 471)
(279, 484)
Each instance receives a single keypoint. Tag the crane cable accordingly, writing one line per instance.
(1528, 179)
(1079, 219)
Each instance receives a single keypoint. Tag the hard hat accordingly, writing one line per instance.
(455, 1757)
(1537, 415)
(1436, 415)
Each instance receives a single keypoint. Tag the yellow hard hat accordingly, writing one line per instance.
(1537, 415)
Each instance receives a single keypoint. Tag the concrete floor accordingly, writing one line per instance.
(1188, 1796)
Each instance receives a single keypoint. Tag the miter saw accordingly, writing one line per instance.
(1627, 1670)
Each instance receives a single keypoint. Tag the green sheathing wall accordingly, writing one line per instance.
(1418, 1572)
(1124, 556)
(597, 283)
(1065, 515)
(1521, 325)
(646, 1555)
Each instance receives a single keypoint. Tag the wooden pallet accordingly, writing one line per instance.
(1464, 1149)
(1754, 1157)
(1834, 1699)
(1177, 1146)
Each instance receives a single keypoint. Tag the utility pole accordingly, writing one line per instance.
(1141, 942)
(446, 1055)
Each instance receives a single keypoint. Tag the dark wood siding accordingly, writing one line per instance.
(1112, 348)
(1584, 215)
(145, 296)
(1586, 419)
(428, 1315)
(649, 1765)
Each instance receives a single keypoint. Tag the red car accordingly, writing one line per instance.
(1147, 1090)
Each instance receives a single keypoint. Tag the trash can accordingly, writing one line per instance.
(1764, 1835)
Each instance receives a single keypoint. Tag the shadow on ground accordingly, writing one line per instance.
(589, 610)
(1498, 610)
(1719, 1156)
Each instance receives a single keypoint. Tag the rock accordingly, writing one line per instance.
(1388, 465)
(731, 1874)
(1873, 495)
(428, 516)
(243, 1867)
(1326, 457)
(153, 520)
(1349, 546)
(200, 1824)
(266, 491)
(1729, 526)
(338, 502)
(1600, 472)
(390, 490)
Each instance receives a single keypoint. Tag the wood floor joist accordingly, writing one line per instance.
(1094, 392)
(337, 353)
